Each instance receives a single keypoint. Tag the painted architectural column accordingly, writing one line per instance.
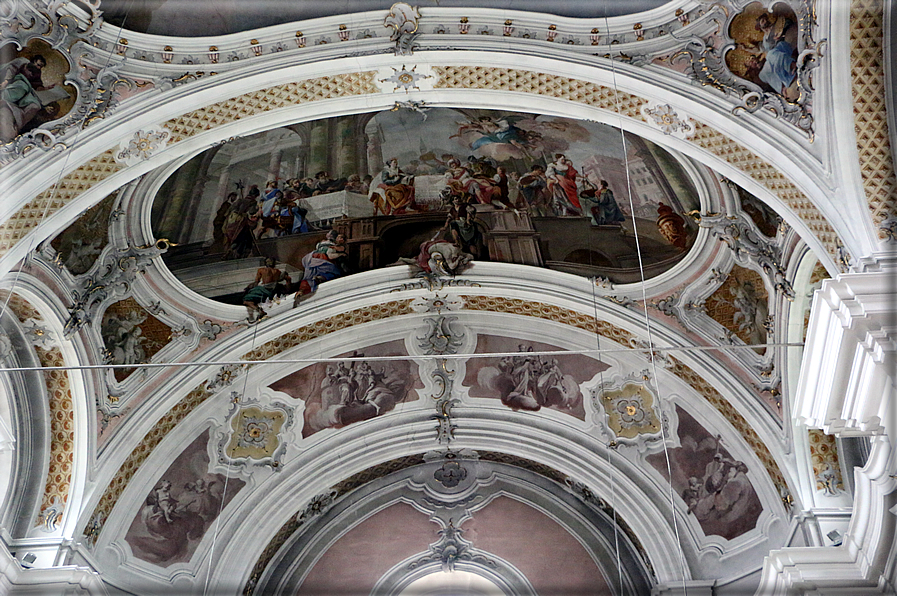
(274, 165)
(344, 149)
(319, 145)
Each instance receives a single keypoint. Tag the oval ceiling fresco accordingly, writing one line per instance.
(434, 191)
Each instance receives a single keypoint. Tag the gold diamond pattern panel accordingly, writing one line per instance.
(223, 112)
(329, 325)
(539, 83)
(869, 109)
(770, 177)
(55, 198)
(62, 431)
(551, 313)
(271, 98)
(62, 413)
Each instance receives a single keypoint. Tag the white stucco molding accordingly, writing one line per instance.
(69, 579)
(847, 375)
(846, 388)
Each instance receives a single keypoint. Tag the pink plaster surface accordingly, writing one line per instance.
(554, 562)
(364, 554)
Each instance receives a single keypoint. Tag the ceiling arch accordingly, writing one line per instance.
(222, 119)
(204, 451)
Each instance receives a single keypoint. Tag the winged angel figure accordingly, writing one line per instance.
(519, 136)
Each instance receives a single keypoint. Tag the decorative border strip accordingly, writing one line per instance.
(62, 420)
(271, 98)
(870, 110)
(62, 438)
(343, 320)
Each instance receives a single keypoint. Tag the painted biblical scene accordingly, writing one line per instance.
(32, 89)
(79, 245)
(713, 484)
(180, 508)
(435, 191)
(528, 380)
(339, 394)
(766, 50)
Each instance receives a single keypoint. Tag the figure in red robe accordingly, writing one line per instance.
(562, 186)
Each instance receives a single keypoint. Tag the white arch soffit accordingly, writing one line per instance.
(52, 312)
(150, 111)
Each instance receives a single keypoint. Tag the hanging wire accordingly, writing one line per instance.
(314, 360)
(651, 353)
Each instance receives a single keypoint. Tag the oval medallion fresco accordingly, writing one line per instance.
(435, 191)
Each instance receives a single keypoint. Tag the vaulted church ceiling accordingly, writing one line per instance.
(283, 283)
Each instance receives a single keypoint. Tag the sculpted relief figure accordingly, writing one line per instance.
(124, 338)
(751, 311)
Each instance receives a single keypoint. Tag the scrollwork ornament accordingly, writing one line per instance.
(706, 64)
(441, 337)
(113, 277)
(403, 20)
(750, 246)
(95, 79)
(451, 548)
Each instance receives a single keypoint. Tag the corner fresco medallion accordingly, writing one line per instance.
(33, 91)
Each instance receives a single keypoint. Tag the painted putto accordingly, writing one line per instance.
(341, 196)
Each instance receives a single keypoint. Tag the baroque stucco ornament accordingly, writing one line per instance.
(142, 145)
(255, 433)
(708, 62)
(96, 77)
(664, 117)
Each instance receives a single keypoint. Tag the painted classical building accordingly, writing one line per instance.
(469, 368)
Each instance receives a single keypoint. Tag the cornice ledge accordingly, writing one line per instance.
(858, 567)
(62, 579)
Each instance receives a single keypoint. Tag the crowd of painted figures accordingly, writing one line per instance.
(555, 190)
(278, 211)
